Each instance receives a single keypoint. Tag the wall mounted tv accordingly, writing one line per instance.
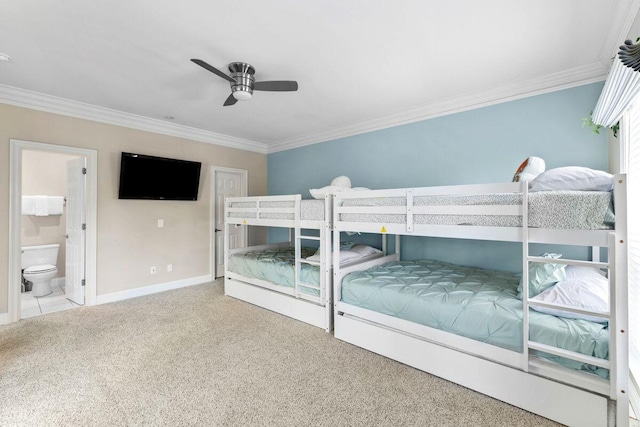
(158, 178)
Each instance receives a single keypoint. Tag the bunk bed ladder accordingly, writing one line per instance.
(298, 238)
(617, 362)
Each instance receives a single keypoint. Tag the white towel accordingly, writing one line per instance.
(42, 205)
(56, 204)
(28, 205)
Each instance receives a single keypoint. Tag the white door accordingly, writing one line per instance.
(228, 184)
(75, 212)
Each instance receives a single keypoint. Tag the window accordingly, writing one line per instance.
(630, 164)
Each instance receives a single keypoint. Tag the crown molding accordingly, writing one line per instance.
(578, 76)
(52, 104)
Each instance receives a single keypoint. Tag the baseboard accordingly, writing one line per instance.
(152, 289)
(4, 318)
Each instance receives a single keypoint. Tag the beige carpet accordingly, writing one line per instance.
(195, 357)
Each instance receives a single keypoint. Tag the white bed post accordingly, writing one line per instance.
(325, 261)
(621, 302)
(226, 240)
(337, 295)
(297, 244)
(524, 189)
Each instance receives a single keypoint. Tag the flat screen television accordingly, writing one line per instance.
(158, 178)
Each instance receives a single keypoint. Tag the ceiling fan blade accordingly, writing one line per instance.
(230, 100)
(277, 86)
(213, 70)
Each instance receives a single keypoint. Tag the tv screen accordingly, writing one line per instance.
(158, 178)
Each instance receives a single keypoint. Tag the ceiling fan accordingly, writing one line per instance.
(243, 83)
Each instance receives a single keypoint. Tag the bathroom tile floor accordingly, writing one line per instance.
(56, 301)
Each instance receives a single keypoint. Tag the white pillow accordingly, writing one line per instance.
(573, 178)
(319, 193)
(575, 271)
(365, 250)
(345, 255)
(589, 293)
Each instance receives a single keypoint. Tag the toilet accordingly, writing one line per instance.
(39, 267)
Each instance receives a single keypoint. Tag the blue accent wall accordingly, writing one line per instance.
(484, 145)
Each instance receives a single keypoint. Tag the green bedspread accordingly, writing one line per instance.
(471, 302)
(276, 266)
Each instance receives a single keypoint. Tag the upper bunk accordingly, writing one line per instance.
(288, 211)
(486, 212)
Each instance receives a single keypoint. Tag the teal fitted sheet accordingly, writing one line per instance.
(471, 302)
(276, 266)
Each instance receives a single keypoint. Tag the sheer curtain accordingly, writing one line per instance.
(621, 87)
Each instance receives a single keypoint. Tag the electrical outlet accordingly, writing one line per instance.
(153, 270)
(169, 267)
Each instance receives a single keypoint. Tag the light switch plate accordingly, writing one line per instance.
(160, 223)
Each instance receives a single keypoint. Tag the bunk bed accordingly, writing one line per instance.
(284, 277)
(555, 376)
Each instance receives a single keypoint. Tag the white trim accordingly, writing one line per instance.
(578, 76)
(152, 289)
(277, 302)
(53, 104)
(530, 392)
(4, 319)
(15, 189)
(212, 212)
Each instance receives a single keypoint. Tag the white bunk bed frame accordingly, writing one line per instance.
(291, 302)
(520, 379)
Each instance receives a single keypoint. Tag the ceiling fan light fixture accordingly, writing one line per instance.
(242, 95)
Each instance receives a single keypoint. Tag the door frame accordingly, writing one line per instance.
(244, 188)
(15, 196)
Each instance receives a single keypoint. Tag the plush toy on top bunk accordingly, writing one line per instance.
(339, 184)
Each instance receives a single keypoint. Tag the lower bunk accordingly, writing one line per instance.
(266, 276)
(465, 325)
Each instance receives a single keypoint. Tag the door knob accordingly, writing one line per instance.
(66, 236)
(218, 230)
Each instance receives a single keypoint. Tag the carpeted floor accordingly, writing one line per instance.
(195, 357)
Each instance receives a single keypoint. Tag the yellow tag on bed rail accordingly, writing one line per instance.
(383, 230)
(244, 222)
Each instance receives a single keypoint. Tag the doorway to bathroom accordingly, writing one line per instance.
(52, 228)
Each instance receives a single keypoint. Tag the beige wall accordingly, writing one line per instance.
(129, 241)
(45, 173)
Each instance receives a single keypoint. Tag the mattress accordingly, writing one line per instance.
(276, 266)
(310, 210)
(576, 210)
(471, 302)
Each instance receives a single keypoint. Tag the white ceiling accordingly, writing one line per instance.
(360, 65)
